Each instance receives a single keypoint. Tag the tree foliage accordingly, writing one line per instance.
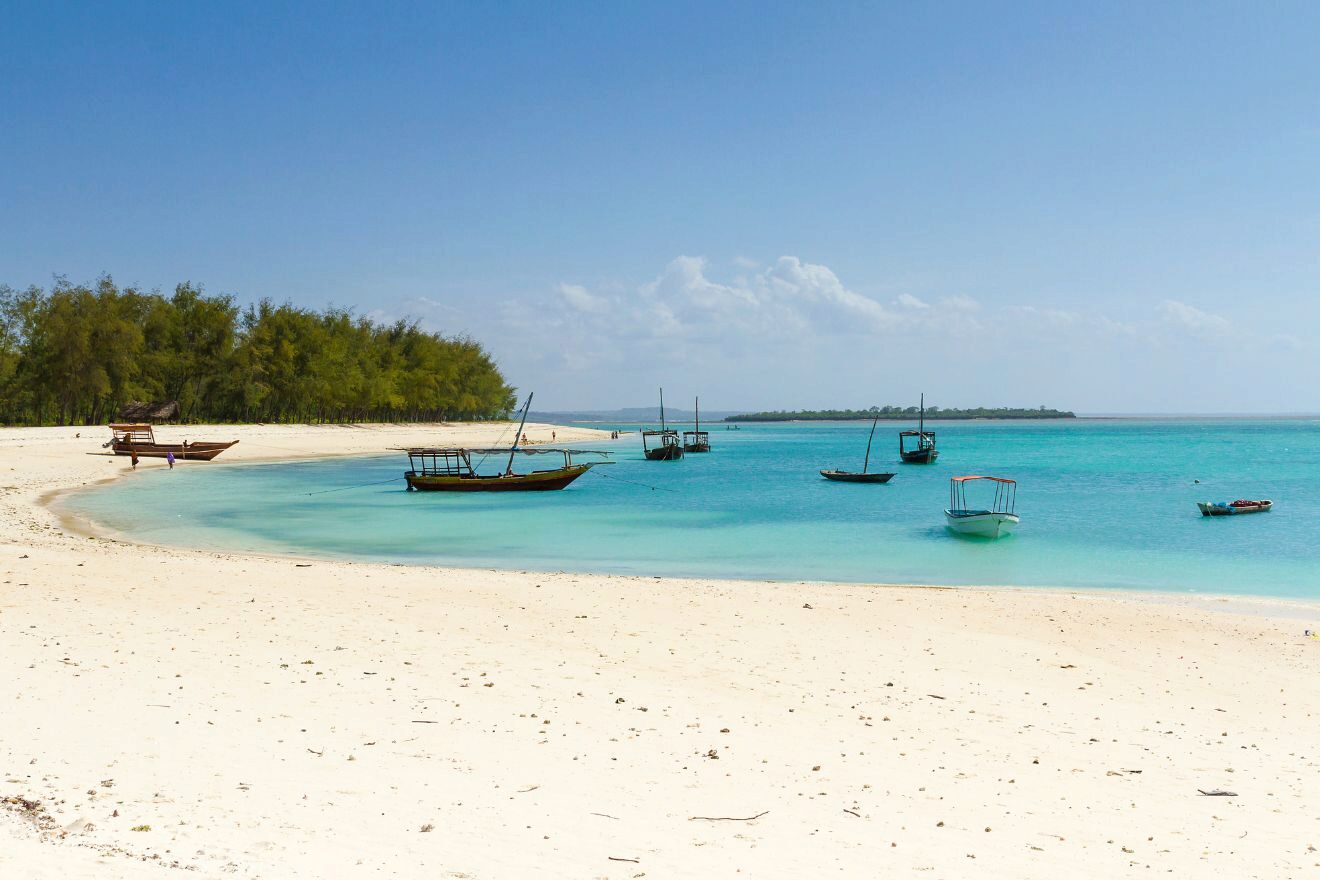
(76, 354)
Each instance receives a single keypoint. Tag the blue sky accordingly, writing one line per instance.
(771, 205)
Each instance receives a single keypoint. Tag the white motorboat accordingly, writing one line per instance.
(997, 520)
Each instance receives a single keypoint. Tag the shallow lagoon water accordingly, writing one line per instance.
(1103, 504)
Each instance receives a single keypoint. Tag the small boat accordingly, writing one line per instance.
(864, 476)
(1233, 508)
(922, 450)
(128, 439)
(696, 440)
(450, 469)
(999, 519)
(662, 445)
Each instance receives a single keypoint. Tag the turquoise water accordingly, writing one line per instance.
(1103, 504)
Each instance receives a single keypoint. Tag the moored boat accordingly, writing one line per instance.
(922, 448)
(128, 439)
(450, 469)
(992, 522)
(662, 445)
(1233, 508)
(854, 477)
(696, 440)
(865, 476)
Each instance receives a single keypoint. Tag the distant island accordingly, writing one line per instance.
(902, 413)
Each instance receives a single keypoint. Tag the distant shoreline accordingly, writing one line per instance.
(1077, 417)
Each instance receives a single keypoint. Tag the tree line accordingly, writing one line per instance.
(895, 413)
(76, 354)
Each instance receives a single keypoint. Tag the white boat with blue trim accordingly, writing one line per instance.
(993, 522)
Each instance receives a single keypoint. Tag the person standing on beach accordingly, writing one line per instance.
(169, 456)
(133, 453)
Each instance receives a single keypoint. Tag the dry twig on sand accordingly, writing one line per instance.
(729, 818)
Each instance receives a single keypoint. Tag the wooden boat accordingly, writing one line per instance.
(922, 450)
(1233, 508)
(127, 439)
(865, 476)
(662, 445)
(696, 440)
(450, 469)
(999, 519)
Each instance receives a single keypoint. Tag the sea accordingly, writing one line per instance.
(1104, 503)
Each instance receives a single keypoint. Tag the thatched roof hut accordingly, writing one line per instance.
(161, 411)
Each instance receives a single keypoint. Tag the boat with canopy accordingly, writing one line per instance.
(662, 445)
(696, 440)
(865, 476)
(450, 469)
(127, 439)
(992, 522)
(918, 447)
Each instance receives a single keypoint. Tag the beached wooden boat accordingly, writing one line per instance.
(662, 445)
(450, 469)
(865, 476)
(1233, 508)
(999, 519)
(696, 440)
(128, 439)
(921, 448)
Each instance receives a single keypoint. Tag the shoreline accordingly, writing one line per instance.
(275, 716)
(86, 527)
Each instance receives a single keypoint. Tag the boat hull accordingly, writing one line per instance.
(665, 453)
(200, 451)
(696, 447)
(537, 481)
(847, 477)
(920, 456)
(1212, 509)
(981, 523)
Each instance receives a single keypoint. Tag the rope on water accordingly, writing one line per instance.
(634, 482)
(359, 486)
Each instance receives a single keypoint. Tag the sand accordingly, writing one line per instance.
(252, 716)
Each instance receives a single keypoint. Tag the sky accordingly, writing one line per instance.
(770, 205)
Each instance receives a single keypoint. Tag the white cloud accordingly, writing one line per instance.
(1192, 319)
(960, 304)
(908, 301)
(786, 298)
(580, 299)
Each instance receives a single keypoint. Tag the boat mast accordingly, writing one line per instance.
(921, 421)
(662, 410)
(508, 470)
(698, 408)
(867, 462)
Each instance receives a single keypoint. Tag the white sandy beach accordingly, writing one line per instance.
(263, 717)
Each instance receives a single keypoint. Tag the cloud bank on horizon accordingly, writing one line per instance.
(791, 334)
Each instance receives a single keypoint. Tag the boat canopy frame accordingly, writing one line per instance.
(135, 433)
(668, 437)
(1005, 495)
(925, 440)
